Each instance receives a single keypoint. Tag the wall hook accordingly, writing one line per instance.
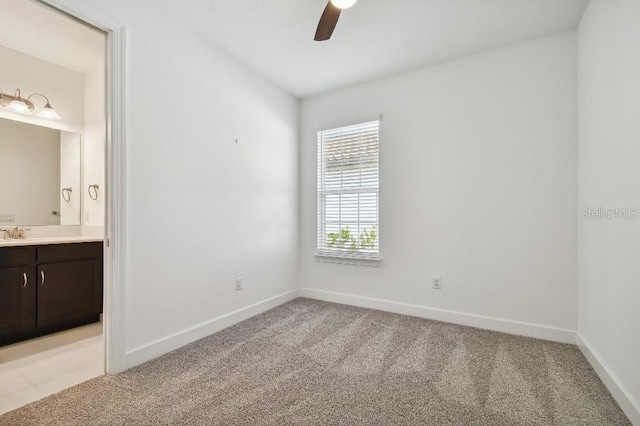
(93, 191)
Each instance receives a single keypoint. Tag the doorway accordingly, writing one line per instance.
(100, 208)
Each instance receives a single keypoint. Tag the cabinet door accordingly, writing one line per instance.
(16, 301)
(66, 292)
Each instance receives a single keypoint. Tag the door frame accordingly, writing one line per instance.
(114, 245)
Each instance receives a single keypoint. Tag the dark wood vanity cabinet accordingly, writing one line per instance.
(49, 288)
(17, 291)
(69, 280)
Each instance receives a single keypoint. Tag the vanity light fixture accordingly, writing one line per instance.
(47, 110)
(20, 105)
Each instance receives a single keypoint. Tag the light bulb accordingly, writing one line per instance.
(19, 106)
(49, 113)
(343, 4)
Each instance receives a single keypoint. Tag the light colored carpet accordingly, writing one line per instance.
(315, 363)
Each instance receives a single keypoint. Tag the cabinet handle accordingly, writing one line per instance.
(41, 277)
(25, 280)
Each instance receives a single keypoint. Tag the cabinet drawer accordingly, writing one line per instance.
(67, 252)
(17, 256)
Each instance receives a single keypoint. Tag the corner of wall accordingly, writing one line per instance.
(613, 384)
(177, 340)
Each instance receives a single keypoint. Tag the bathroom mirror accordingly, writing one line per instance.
(39, 175)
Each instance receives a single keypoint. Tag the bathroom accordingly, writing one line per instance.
(52, 202)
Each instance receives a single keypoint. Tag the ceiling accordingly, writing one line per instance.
(50, 36)
(374, 38)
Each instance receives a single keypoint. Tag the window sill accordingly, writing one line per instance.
(349, 260)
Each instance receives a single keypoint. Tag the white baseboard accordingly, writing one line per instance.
(617, 390)
(488, 323)
(177, 340)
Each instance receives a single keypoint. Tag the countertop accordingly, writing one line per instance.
(48, 240)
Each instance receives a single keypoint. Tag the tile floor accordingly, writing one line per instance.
(40, 367)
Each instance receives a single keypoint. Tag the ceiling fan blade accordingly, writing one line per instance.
(327, 23)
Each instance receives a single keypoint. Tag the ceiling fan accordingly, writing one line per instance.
(329, 18)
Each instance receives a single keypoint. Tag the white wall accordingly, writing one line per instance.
(609, 178)
(29, 173)
(201, 210)
(63, 87)
(94, 140)
(79, 99)
(70, 177)
(478, 186)
(65, 90)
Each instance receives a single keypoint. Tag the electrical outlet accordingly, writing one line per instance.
(7, 218)
(238, 284)
(437, 283)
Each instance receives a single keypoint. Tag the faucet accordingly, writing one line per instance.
(16, 233)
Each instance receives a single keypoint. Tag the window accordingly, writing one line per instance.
(348, 191)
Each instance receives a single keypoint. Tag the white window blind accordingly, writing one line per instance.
(348, 191)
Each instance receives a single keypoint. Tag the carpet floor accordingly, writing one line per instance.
(315, 363)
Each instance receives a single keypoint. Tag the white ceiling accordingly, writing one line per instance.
(374, 38)
(37, 31)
